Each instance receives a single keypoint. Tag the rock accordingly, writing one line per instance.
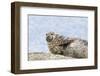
(45, 56)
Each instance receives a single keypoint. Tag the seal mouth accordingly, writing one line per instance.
(49, 39)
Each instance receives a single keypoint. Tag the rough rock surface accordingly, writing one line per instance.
(45, 56)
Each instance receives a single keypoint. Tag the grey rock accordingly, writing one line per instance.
(45, 56)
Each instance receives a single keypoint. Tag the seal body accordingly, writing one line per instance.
(72, 47)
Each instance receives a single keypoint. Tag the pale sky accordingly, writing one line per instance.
(64, 25)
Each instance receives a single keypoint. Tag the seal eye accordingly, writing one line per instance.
(51, 33)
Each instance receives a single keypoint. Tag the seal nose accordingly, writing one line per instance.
(49, 39)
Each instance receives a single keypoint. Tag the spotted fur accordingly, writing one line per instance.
(73, 47)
